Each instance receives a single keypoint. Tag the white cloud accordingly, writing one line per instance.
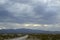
(3, 2)
(50, 27)
(53, 5)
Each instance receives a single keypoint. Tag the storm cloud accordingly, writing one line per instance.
(30, 11)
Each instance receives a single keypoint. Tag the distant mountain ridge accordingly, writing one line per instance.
(28, 31)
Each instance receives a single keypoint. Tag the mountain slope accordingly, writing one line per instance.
(28, 31)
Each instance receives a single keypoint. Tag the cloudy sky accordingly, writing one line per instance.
(13, 13)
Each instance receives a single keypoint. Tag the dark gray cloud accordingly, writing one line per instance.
(30, 11)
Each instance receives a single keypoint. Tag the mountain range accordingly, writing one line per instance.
(28, 31)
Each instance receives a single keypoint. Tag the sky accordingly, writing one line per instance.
(16, 14)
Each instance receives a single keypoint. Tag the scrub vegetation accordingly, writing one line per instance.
(31, 36)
